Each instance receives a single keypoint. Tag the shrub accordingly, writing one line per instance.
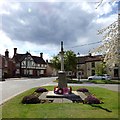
(82, 90)
(41, 90)
(31, 99)
(91, 100)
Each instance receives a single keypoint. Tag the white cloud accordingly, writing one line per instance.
(23, 47)
(5, 43)
(88, 7)
(40, 27)
(107, 20)
(82, 40)
(103, 9)
(6, 7)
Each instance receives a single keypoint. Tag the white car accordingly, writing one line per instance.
(100, 77)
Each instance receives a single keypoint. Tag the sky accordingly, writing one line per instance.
(39, 26)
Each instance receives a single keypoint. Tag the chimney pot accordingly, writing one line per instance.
(15, 51)
(46, 61)
(41, 55)
(90, 54)
(7, 53)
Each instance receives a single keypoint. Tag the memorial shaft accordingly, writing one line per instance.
(62, 83)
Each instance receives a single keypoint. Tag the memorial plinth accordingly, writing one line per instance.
(62, 82)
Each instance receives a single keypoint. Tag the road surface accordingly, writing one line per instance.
(12, 87)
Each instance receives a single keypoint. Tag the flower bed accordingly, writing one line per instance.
(41, 90)
(30, 99)
(82, 90)
(61, 91)
(92, 100)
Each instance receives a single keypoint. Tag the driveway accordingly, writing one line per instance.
(12, 87)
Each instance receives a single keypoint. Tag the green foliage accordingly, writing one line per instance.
(56, 62)
(100, 68)
(69, 61)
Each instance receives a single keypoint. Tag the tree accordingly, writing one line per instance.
(69, 61)
(101, 1)
(110, 47)
(56, 62)
(100, 69)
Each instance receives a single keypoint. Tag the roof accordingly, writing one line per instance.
(38, 60)
(20, 57)
(84, 59)
(94, 58)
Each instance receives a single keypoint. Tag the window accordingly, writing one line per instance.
(93, 72)
(6, 63)
(42, 65)
(30, 72)
(116, 65)
(41, 71)
(23, 64)
(93, 64)
(17, 71)
(25, 72)
(116, 73)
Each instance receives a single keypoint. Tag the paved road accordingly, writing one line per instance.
(12, 87)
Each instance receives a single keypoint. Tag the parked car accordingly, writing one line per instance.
(108, 77)
(100, 77)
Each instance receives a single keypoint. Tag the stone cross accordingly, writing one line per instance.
(62, 83)
(62, 57)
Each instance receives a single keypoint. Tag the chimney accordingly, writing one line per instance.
(47, 61)
(90, 54)
(15, 51)
(41, 55)
(7, 53)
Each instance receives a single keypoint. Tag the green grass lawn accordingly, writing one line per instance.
(104, 81)
(15, 109)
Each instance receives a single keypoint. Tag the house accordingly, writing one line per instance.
(50, 70)
(1, 67)
(28, 65)
(88, 65)
(114, 72)
(7, 65)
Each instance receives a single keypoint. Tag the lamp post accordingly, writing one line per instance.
(78, 67)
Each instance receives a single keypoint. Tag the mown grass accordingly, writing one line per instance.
(104, 81)
(15, 109)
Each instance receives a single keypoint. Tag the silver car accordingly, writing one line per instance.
(100, 77)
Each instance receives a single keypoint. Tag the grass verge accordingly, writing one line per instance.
(92, 81)
(15, 109)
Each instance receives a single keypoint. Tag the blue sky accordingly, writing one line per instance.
(40, 26)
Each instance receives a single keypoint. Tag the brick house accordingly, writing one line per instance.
(28, 65)
(7, 65)
(1, 68)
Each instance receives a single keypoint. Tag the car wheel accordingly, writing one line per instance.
(103, 78)
(90, 79)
